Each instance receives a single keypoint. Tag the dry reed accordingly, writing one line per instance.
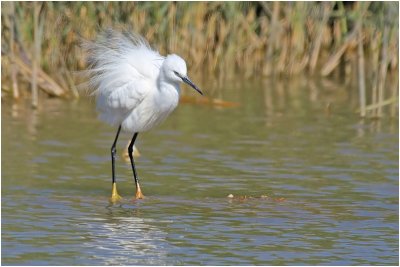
(218, 39)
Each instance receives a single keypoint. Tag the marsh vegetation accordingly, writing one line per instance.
(356, 42)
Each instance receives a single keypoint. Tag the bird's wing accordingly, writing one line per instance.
(123, 69)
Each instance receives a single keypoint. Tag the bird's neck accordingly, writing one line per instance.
(169, 94)
(167, 86)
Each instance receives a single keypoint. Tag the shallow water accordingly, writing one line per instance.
(331, 181)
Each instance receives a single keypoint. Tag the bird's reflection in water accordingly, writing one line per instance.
(124, 236)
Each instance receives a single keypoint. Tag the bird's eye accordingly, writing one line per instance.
(177, 74)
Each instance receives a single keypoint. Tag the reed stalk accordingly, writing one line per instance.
(361, 71)
(382, 71)
(375, 78)
(327, 7)
(395, 95)
(393, 100)
(14, 69)
(272, 36)
(361, 64)
(35, 54)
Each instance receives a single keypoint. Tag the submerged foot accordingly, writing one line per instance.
(115, 197)
(139, 194)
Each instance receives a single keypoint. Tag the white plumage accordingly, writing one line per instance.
(135, 87)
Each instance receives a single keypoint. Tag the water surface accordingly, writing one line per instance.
(331, 182)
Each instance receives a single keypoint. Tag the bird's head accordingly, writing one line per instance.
(174, 68)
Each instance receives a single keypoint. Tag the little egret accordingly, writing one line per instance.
(135, 87)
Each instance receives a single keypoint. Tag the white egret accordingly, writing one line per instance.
(135, 87)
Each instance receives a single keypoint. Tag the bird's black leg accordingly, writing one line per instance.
(113, 152)
(130, 152)
(114, 194)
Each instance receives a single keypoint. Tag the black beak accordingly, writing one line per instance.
(186, 80)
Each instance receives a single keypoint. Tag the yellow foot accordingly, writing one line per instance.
(139, 194)
(115, 197)
(135, 153)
